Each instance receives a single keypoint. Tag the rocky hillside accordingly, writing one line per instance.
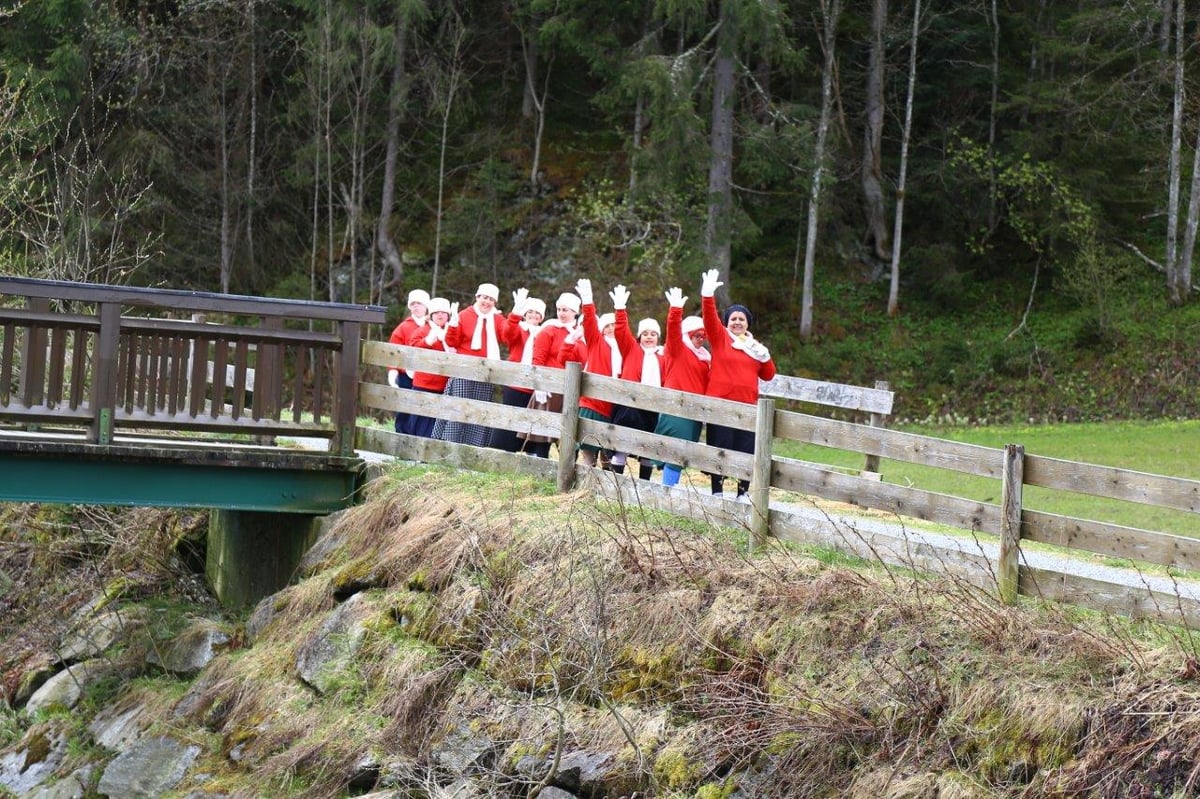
(480, 636)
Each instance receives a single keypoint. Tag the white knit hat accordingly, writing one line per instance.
(607, 319)
(418, 295)
(534, 304)
(488, 290)
(692, 323)
(439, 304)
(568, 300)
(648, 324)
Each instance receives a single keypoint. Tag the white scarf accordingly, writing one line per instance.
(616, 355)
(527, 353)
(747, 344)
(651, 374)
(485, 320)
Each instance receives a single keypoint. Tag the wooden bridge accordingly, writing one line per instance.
(150, 397)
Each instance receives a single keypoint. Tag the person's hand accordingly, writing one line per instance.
(675, 297)
(575, 335)
(520, 298)
(758, 351)
(584, 289)
(394, 377)
(710, 283)
(619, 296)
(436, 334)
(453, 315)
(541, 397)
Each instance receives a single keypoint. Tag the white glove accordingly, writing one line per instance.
(584, 289)
(575, 335)
(436, 334)
(710, 283)
(394, 377)
(453, 315)
(520, 298)
(619, 296)
(675, 297)
(541, 397)
(758, 351)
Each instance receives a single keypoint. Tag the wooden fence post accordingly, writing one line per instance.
(104, 374)
(877, 420)
(568, 434)
(1008, 569)
(345, 391)
(760, 477)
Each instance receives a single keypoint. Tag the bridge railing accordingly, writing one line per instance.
(106, 358)
(1007, 524)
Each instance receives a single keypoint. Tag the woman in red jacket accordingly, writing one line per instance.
(686, 365)
(644, 365)
(520, 334)
(432, 336)
(739, 361)
(554, 347)
(606, 350)
(476, 331)
(416, 322)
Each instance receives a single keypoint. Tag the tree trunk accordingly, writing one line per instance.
(1174, 177)
(831, 11)
(993, 113)
(876, 237)
(898, 229)
(451, 89)
(718, 231)
(252, 156)
(1183, 274)
(397, 96)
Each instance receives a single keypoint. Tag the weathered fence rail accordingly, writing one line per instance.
(70, 355)
(1007, 522)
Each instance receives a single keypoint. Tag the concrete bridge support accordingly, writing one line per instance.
(253, 554)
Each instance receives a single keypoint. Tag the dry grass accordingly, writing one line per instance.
(540, 623)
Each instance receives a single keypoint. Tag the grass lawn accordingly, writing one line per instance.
(1167, 448)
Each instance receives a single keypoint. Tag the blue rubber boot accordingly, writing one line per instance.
(671, 475)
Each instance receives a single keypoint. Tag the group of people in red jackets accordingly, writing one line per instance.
(713, 354)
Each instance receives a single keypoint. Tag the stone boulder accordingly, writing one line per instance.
(66, 688)
(190, 651)
(334, 645)
(147, 770)
(117, 727)
(91, 636)
(34, 761)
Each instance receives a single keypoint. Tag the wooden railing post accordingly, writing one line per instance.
(32, 377)
(1008, 569)
(104, 374)
(760, 477)
(877, 420)
(345, 400)
(568, 434)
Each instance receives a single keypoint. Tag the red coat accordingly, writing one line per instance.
(459, 337)
(516, 338)
(404, 331)
(549, 349)
(631, 366)
(428, 381)
(599, 353)
(682, 370)
(734, 374)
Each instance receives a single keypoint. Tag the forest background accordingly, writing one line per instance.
(990, 204)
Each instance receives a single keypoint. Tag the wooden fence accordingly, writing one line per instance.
(1007, 523)
(70, 356)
